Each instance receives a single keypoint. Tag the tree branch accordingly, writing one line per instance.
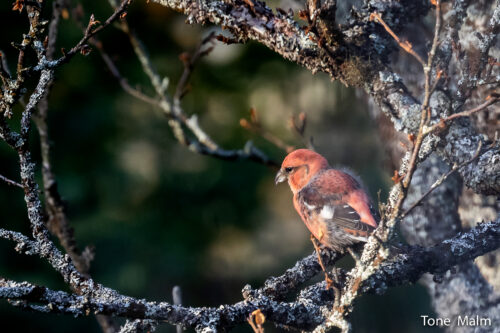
(305, 313)
(201, 143)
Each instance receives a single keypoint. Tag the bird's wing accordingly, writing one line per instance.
(330, 208)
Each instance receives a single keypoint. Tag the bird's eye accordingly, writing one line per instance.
(288, 170)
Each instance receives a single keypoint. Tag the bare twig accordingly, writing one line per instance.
(255, 126)
(58, 222)
(4, 66)
(298, 126)
(442, 123)
(404, 182)
(4, 70)
(123, 82)
(438, 182)
(405, 45)
(10, 182)
(427, 96)
(189, 62)
(90, 31)
(202, 143)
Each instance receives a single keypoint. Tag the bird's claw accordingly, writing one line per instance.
(329, 282)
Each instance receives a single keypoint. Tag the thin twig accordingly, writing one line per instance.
(255, 126)
(427, 96)
(57, 223)
(4, 64)
(123, 82)
(405, 45)
(438, 182)
(4, 70)
(405, 180)
(92, 32)
(442, 123)
(89, 33)
(298, 125)
(10, 182)
(189, 63)
(57, 7)
(201, 143)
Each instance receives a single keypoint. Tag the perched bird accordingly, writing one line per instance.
(331, 202)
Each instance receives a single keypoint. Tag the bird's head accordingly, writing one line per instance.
(299, 167)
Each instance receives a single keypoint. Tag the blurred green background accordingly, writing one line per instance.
(159, 215)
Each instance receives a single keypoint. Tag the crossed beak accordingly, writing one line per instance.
(280, 177)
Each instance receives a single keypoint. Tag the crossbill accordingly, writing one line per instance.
(331, 202)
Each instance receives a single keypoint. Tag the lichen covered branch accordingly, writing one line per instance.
(305, 313)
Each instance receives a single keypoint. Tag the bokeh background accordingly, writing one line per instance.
(159, 215)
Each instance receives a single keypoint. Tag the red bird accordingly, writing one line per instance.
(332, 203)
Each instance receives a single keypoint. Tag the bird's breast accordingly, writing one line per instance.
(316, 226)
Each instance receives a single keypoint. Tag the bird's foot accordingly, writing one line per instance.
(318, 253)
(329, 282)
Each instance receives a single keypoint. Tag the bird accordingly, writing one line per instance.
(332, 203)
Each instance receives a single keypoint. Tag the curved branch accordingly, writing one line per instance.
(410, 266)
(305, 313)
(283, 35)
